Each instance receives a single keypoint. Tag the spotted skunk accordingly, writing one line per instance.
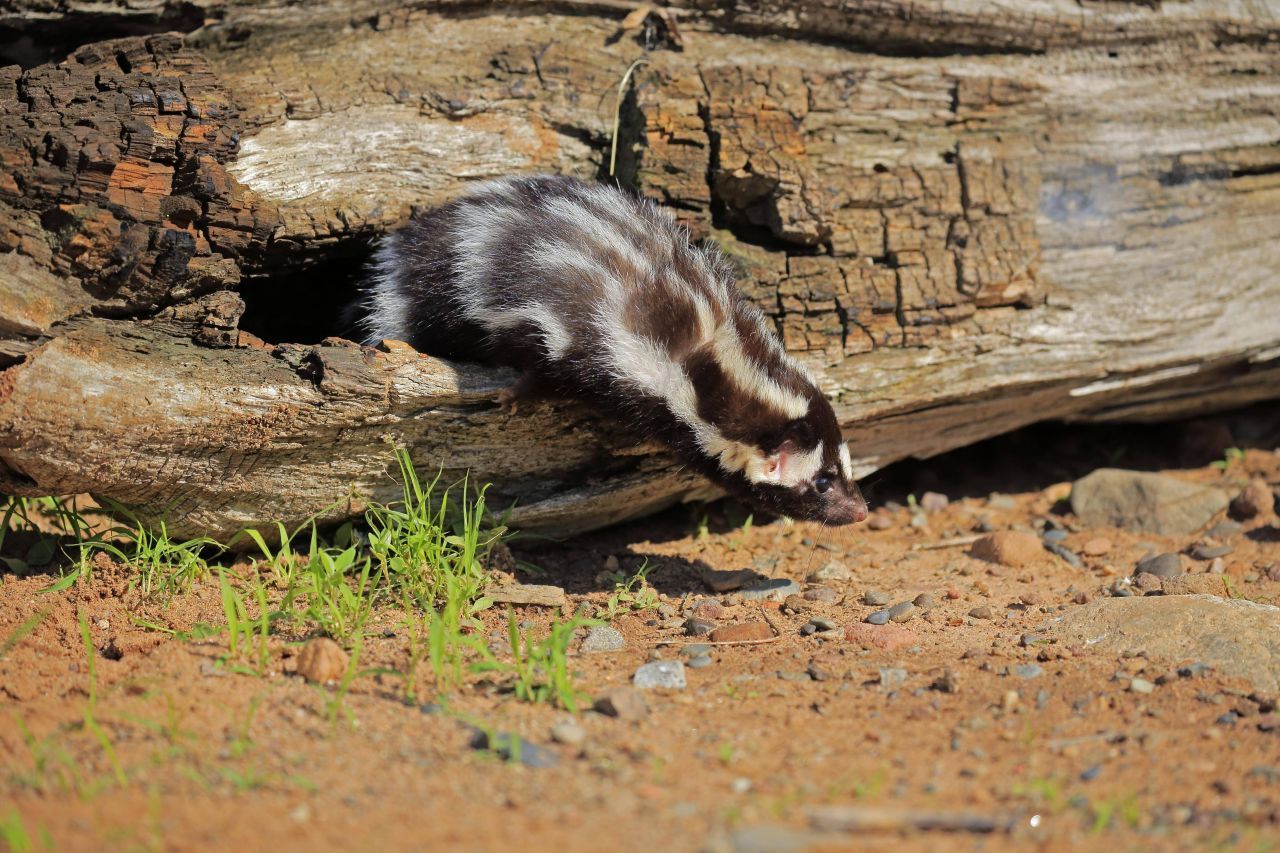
(597, 295)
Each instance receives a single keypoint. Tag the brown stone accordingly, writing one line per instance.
(709, 608)
(541, 595)
(1097, 547)
(886, 637)
(1008, 548)
(744, 632)
(1256, 499)
(624, 703)
(322, 660)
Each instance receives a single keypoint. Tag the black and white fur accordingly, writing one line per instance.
(597, 295)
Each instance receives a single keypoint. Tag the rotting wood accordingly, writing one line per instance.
(1033, 227)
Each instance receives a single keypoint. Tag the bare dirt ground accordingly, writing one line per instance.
(970, 711)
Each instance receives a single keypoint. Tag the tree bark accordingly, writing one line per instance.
(965, 219)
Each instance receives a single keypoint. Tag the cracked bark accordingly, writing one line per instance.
(1040, 223)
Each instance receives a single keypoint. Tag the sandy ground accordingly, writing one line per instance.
(772, 746)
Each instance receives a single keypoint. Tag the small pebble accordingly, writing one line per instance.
(708, 608)
(947, 682)
(1054, 534)
(1070, 557)
(925, 601)
(321, 661)
(1028, 670)
(880, 521)
(822, 623)
(1162, 565)
(833, 571)
(1091, 773)
(891, 678)
(625, 703)
(1210, 552)
(822, 595)
(902, 612)
(512, 748)
(875, 598)
(694, 650)
(699, 662)
(698, 627)
(1097, 547)
(933, 502)
(818, 673)
(602, 638)
(880, 617)
(568, 733)
(1225, 529)
(1256, 499)
(983, 612)
(665, 674)
(1141, 685)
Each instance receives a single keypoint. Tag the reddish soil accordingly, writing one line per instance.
(743, 756)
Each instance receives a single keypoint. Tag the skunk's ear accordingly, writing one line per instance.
(777, 462)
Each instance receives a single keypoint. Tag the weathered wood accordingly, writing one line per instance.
(965, 220)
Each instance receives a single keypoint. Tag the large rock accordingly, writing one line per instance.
(1144, 502)
(1236, 637)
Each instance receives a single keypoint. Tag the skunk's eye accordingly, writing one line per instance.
(822, 483)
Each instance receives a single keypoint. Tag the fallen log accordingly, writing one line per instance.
(962, 228)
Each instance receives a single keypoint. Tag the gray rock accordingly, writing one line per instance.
(1072, 559)
(1161, 565)
(880, 617)
(1225, 529)
(1144, 502)
(568, 733)
(1028, 670)
(822, 623)
(694, 650)
(696, 626)
(1210, 552)
(891, 678)
(902, 612)
(668, 674)
(1237, 638)
(875, 598)
(603, 638)
(1054, 534)
(699, 662)
(514, 748)
(770, 589)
